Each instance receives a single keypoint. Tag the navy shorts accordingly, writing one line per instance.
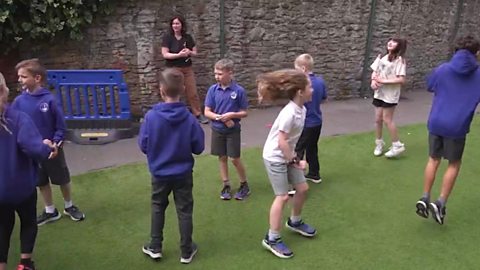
(447, 148)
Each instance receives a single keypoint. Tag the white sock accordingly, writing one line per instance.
(68, 204)
(295, 219)
(273, 235)
(379, 141)
(397, 143)
(50, 209)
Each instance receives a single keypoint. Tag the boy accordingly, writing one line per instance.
(225, 104)
(168, 136)
(308, 142)
(43, 109)
(456, 88)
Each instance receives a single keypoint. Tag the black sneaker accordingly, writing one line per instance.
(422, 207)
(202, 119)
(154, 253)
(438, 212)
(74, 213)
(188, 259)
(22, 266)
(314, 178)
(226, 193)
(45, 217)
(243, 192)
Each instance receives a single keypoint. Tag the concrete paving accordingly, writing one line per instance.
(340, 117)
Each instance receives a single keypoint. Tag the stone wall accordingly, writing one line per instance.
(263, 35)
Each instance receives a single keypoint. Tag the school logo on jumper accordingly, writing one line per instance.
(44, 107)
(233, 95)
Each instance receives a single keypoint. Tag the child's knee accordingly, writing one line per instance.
(236, 161)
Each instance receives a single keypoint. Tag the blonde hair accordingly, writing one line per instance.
(34, 67)
(224, 64)
(173, 82)
(304, 60)
(281, 84)
(3, 102)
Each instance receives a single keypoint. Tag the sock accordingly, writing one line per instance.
(50, 209)
(295, 219)
(426, 195)
(397, 143)
(244, 183)
(68, 204)
(442, 201)
(26, 261)
(273, 235)
(226, 182)
(379, 141)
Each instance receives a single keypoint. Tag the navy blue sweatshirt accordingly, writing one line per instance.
(19, 148)
(168, 136)
(456, 88)
(45, 112)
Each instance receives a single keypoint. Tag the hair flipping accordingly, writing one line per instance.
(172, 82)
(281, 84)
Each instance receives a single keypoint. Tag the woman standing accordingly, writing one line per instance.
(178, 48)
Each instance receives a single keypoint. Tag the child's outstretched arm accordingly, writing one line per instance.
(60, 125)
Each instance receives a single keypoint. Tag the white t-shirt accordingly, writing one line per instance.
(389, 93)
(291, 120)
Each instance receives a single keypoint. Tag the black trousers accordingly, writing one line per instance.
(27, 212)
(308, 145)
(183, 197)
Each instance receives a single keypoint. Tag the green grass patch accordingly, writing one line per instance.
(364, 212)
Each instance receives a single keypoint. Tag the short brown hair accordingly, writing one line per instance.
(281, 84)
(224, 64)
(467, 43)
(304, 60)
(173, 82)
(34, 67)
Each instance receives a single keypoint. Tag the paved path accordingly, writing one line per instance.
(340, 117)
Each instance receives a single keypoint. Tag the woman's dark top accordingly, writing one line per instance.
(175, 46)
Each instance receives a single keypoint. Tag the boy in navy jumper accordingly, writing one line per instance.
(20, 144)
(168, 136)
(456, 88)
(225, 104)
(307, 145)
(41, 106)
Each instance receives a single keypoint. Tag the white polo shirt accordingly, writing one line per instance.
(389, 93)
(291, 120)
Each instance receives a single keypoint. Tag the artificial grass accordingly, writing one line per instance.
(364, 211)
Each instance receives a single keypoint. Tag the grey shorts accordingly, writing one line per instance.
(226, 144)
(54, 171)
(282, 176)
(447, 148)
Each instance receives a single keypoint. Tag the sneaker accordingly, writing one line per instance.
(189, 259)
(378, 148)
(395, 150)
(74, 213)
(313, 178)
(438, 212)
(24, 267)
(243, 192)
(292, 192)
(226, 193)
(202, 119)
(422, 207)
(45, 217)
(301, 228)
(277, 247)
(154, 253)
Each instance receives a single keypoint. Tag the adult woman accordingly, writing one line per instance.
(178, 48)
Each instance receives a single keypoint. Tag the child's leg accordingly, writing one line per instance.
(27, 212)
(388, 120)
(276, 213)
(66, 192)
(237, 162)
(299, 199)
(223, 166)
(430, 172)
(312, 150)
(449, 179)
(182, 194)
(7, 222)
(46, 192)
(160, 192)
(378, 123)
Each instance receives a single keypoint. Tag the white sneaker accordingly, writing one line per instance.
(395, 150)
(378, 148)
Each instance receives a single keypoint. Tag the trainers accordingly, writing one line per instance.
(24, 267)
(277, 247)
(313, 178)
(438, 212)
(74, 213)
(189, 259)
(45, 217)
(154, 253)
(395, 150)
(243, 192)
(422, 207)
(226, 193)
(301, 228)
(378, 148)
(202, 119)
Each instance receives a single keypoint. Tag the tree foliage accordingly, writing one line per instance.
(45, 20)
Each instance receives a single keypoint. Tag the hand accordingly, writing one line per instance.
(54, 148)
(375, 85)
(229, 123)
(187, 51)
(183, 53)
(300, 165)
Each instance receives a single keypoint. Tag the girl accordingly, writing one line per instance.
(20, 141)
(388, 76)
(284, 168)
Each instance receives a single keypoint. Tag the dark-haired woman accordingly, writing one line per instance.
(178, 48)
(388, 77)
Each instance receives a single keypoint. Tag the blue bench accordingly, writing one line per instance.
(96, 104)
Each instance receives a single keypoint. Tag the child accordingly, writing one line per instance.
(456, 88)
(387, 79)
(168, 136)
(225, 104)
(284, 168)
(20, 143)
(47, 115)
(308, 142)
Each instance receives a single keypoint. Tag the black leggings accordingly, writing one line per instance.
(27, 211)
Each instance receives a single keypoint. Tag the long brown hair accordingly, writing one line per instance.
(399, 51)
(3, 102)
(282, 83)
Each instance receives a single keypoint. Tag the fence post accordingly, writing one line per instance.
(368, 47)
(222, 29)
